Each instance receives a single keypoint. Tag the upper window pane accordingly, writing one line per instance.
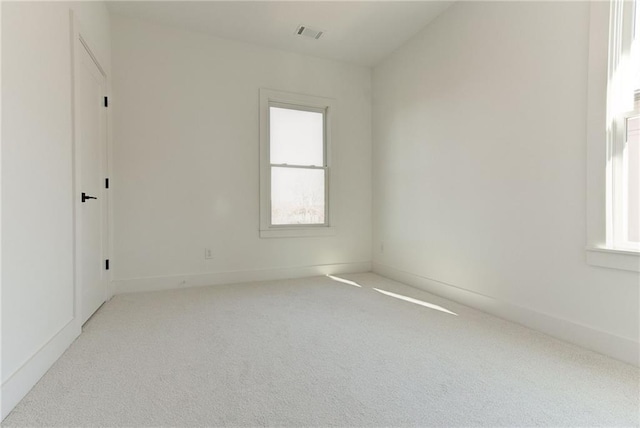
(296, 137)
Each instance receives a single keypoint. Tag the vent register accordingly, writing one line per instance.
(305, 31)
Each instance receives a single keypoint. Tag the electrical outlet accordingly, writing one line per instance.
(208, 254)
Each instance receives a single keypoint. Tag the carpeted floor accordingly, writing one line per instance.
(321, 352)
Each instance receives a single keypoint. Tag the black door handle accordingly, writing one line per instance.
(85, 197)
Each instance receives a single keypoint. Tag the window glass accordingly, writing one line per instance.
(297, 196)
(296, 137)
(635, 49)
(632, 161)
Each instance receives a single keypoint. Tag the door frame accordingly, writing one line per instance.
(78, 42)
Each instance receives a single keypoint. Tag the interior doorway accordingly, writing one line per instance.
(90, 118)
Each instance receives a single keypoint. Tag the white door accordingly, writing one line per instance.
(91, 133)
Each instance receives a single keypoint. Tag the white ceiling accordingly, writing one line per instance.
(361, 32)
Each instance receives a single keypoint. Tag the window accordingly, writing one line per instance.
(613, 150)
(626, 182)
(298, 167)
(295, 167)
(623, 119)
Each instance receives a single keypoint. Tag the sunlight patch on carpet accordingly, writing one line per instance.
(416, 301)
(344, 281)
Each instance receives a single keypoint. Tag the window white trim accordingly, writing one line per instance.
(605, 49)
(302, 102)
(615, 259)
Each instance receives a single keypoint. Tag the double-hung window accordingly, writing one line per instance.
(613, 151)
(295, 167)
(624, 126)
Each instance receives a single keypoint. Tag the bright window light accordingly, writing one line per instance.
(623, 128)
(632, 173)
(297, 196)
(416, 301)
(296, 137)
(297, 158)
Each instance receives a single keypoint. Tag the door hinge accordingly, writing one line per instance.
(106, 101)
(106, 264)
(106, 183)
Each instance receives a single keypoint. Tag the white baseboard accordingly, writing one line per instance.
(216, 278)
(22, 380)
(620, 348)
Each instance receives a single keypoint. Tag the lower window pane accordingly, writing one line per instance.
(297, 196)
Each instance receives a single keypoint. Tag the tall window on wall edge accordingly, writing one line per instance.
(623, 120)
(295, 165)
(613, 146)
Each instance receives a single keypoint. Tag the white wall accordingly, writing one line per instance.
(186, 159)
(479, 171)
(37, 210)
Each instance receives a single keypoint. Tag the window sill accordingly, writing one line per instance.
(614, 259)
(297, 232)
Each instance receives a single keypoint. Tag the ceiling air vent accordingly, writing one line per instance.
(305, 31)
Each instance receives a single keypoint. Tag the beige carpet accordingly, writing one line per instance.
(320, 352)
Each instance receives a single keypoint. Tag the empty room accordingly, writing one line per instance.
(320, 213)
